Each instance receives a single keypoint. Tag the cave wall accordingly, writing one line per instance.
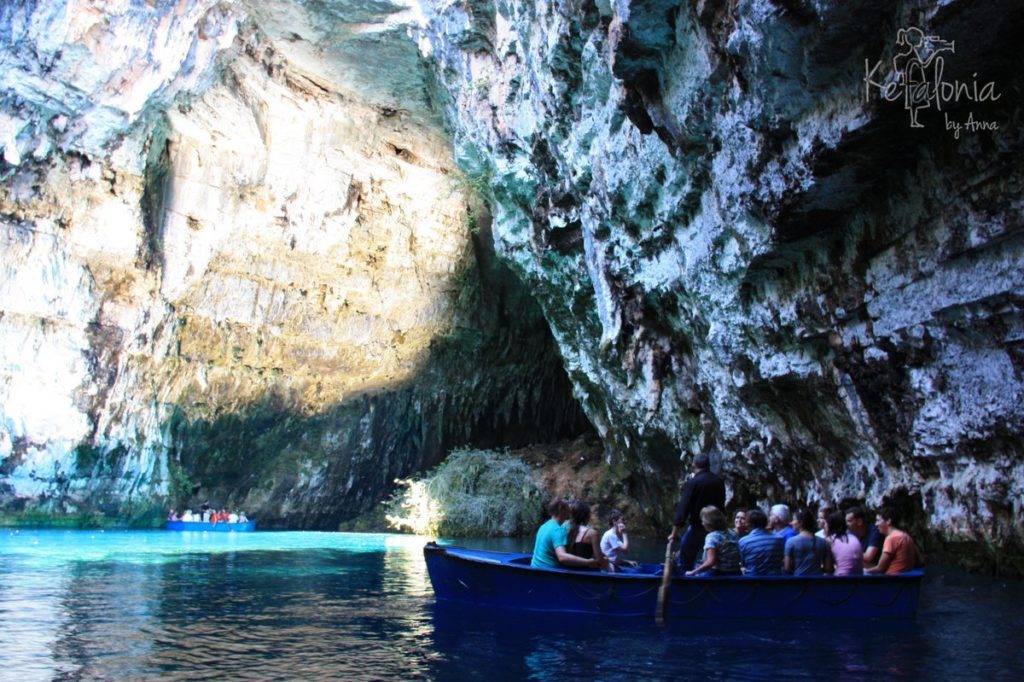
(240, 261)
(743, 249)
(241, 266)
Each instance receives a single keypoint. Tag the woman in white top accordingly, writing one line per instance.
(615, 543)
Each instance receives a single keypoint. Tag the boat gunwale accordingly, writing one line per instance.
(909, 576)
(219, 527)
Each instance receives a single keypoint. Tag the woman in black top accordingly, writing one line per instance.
(584, 541)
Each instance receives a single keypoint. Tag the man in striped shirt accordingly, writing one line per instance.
(761, 552)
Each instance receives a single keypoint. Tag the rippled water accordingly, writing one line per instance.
(81, 605)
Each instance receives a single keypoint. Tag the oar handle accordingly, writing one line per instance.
(660, 612)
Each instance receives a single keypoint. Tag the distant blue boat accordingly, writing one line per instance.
(220, 527)
(502, 580)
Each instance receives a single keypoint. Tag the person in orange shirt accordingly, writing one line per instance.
(899, 551)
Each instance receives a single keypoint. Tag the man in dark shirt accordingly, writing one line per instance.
(870, 539)
(703, 489)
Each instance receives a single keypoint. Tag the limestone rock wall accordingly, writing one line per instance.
(239, 259)
(238, 266)
(742, 252)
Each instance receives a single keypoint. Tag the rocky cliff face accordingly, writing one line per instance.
(239, 266)
(744, 249)
(239, 261)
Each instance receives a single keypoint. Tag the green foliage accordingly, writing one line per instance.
(481, 86)
(88, 457)
(38, 518)
(473, 492)
(179, 487)
(476, 183)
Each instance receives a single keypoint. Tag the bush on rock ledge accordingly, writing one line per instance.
(473, 492)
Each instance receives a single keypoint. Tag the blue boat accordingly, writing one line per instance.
(220, 527)
(503, 580)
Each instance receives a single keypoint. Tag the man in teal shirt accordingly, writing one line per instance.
(552, 537)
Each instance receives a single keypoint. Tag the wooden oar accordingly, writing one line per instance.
(666, 582)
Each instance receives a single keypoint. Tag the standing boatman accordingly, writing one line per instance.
(703, 489)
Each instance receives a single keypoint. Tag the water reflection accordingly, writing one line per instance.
(294, 605)
(31, 614)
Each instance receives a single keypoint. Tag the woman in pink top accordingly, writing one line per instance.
(846, 547)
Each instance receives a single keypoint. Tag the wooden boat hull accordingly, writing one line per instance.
(246, 527)
(501, 580)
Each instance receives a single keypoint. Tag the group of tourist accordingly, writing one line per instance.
(774, 543)
(208, 515)
(831, 542)
(568, 540)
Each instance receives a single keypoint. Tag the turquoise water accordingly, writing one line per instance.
(93, 605)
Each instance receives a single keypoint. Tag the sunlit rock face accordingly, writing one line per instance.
(238, 265)
(739, 253)
(238, 262)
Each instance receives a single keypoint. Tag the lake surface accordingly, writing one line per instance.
(92, 605)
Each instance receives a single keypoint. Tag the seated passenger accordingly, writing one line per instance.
(552, 537)
(761, 552)
(870, 538)
(242, 518)
(232, 517)
(780, 517)
(899, 551)
(824, 510)
(615, 543)
(187, 516)
(173, 516)
(807, 554)
(583, 540)
(721, 553)
(740, 526)
(846, 549)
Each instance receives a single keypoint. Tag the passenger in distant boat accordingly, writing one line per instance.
(615, 543)
(232, 517)
(721, 553)
(807, 554)
(846, 549)
(702, 490)
(242, 518)
(899, 551)
(740, 526)
(583, 540)
(780, 519)
(173, 516)
(188, 516)
(870, 539)
(824, 510)
(552, 537)
(761, 552)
